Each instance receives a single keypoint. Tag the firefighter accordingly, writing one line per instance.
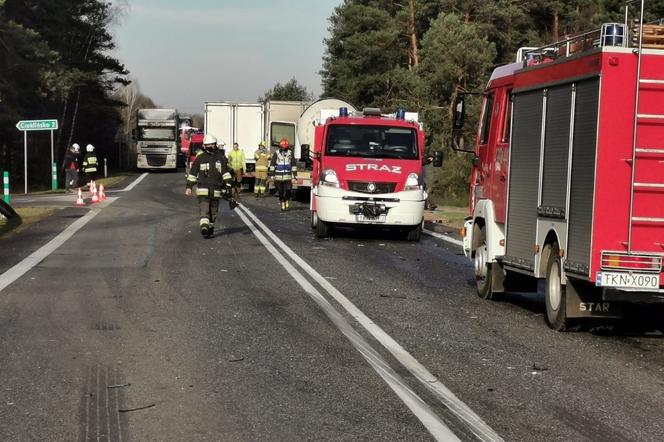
(212, 178)
(90, 164)
(283, 169)
(238, 165)
(262, 157)
(70, 167)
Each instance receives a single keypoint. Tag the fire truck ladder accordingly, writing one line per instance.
(641, 151)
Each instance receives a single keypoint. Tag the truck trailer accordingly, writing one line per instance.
(567, 184)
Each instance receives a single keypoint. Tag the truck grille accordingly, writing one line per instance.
(156, 160)
(371, 187)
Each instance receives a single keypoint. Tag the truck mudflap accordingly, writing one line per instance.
(587, 301)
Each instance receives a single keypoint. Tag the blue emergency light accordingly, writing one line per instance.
(401, 114)
(343, 111)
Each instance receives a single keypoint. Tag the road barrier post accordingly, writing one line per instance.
(5, 185)
(105, 168)
(54, 177)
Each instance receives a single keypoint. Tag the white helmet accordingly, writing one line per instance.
(76, 147)
(89, 148)
(209, 139)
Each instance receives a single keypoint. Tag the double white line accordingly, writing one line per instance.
(421, 409)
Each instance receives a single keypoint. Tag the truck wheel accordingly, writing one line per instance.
(414, 234)
(322, 229)
(483, 269)
(555, 295)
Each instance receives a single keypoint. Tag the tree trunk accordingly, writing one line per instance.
(556, 27)
(413, 56)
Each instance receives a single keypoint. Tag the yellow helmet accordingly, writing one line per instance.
(262, 143)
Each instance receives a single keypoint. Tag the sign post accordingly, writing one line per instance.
(36, 125)
(5, 185)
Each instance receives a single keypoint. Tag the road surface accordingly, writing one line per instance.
(119, 322)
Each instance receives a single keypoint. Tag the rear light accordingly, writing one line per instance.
(626, 262)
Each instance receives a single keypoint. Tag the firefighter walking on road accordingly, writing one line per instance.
(262, 157)
(238, 165)
(283, 169)
(212, 178)
(70, 167)
(90, 165)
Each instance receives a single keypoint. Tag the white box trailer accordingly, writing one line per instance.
(241, 123)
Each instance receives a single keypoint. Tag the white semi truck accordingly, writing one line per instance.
(157, 138)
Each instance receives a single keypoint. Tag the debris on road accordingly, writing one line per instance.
(118, 385)
(128, 410)
(239, 359)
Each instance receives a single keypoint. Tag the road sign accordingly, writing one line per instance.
(30, 125)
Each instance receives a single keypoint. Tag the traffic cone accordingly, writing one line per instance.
(102, 195)
(79, 200)
(95, 197)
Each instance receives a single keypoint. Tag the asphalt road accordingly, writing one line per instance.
(136, 328)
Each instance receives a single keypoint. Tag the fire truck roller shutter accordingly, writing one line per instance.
(556, 152)
(584, 149)
(524, 178)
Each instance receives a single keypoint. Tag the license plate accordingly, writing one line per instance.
(628, 280)
(363, 219)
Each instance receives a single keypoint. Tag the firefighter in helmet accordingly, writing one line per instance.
(262, 157)
(212, 178)
(238, 164)
(283, 169)
(90, 165)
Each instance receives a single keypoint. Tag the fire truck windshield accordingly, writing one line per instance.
(157, 134)
(372, 141)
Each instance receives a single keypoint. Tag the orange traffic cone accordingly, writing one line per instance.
(102, 195)
(95, 197)
(79, 200)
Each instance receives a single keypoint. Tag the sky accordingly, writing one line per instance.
(184, 53)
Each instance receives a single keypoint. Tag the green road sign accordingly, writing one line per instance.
(29, 125)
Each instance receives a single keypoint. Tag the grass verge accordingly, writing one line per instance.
(27, 216)
(452, 216)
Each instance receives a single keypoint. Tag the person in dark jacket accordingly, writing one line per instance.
(283, 169)
(70, 167)
(90, 165)
(211, 176)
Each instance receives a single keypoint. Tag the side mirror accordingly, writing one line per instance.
(305, 154)
(476, 161)
(438, 159)
(459, 112)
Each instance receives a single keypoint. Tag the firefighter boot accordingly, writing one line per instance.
(287, 203)
(205, 227)
(283, 206)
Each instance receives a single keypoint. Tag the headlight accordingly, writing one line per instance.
(329, 178)
(413, 182)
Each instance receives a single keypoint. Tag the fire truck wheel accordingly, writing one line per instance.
(483, 269)
(554, 293)
(314, 219)
(322, 229)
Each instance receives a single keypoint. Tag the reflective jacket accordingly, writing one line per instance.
(237, 160)
(282, 165)
(210, 174)
(90, 162)
(262, 157)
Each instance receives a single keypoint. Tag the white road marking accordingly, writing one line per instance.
(132, 185)
(39, 255)
(456, 242)
(422, 411)
(445, 395)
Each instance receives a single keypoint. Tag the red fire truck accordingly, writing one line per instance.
(367, 170)
(567, 183)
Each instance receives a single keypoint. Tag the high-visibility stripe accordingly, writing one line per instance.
(217, 193)
(261, 168)
(204, 221)
(192, 178)
(226, 176)
(202, 192)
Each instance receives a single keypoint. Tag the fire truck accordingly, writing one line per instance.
(367, 170)
(567, 183)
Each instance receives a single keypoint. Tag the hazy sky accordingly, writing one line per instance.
(184, 53)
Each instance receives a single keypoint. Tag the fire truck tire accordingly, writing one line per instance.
(483, 269)
(555, 293)
(414, 234)
(322, 229)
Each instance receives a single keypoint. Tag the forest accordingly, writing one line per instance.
(420, 54)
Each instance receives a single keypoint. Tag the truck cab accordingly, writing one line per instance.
(367, 170)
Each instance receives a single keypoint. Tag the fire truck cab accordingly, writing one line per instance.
(367, 170)
(568, 181)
